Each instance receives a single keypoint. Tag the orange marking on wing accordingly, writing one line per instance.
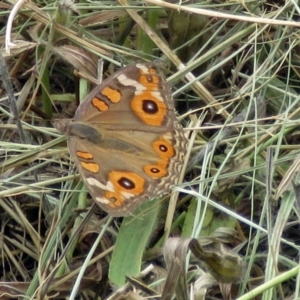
(127, 182)
(152, 71)
(115, 198)
(163, 148)
(113, 95)
(91, 167)
(84, 155)
(156, 171)
(155, 119)
(150, 85)
(99, 104)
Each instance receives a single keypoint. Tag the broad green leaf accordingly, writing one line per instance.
(132, 240)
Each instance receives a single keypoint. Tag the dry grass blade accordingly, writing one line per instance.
(175, 252)
(81, 60)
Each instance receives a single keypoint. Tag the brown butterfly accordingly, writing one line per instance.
(125, 139)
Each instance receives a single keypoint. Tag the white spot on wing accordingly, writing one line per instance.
(94, 182)
(127, 195)
(143, 68)
(102, 200)
(109, 187)
(157, 95)
(130, 82)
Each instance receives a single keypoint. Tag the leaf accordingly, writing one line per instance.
(132, 240)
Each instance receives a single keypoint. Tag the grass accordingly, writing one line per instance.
(231, 228)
